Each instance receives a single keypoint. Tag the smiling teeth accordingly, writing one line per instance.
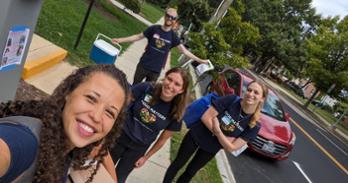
(87, 128)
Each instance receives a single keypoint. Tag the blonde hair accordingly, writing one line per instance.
(172, 10)
(257, 113)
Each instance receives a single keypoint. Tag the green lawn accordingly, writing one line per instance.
(208, 173)
(174, 55)
(151, 12)
(60, 21)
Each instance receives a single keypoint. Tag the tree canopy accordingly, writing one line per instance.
(328, 55)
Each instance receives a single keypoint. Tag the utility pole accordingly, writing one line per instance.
(221, 11)
(82, 28)
(18, 20)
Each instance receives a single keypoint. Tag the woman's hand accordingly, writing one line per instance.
(140, 162)
(216, 127)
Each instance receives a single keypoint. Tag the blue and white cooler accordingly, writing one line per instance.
(104, 52)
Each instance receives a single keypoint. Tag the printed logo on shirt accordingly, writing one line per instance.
(147, 98)
(160, 42)
(156, 36)
(229, 124)
(153, 111)
(146, 116)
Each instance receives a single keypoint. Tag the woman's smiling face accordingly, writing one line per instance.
(91, 109)
(172, 86)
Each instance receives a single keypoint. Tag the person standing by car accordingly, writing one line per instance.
(154, 107)
(229, 124)
(161, 38)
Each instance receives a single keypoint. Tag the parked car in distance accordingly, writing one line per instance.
(296, 88)
(275, 139)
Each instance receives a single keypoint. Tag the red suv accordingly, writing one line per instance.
(275, 139)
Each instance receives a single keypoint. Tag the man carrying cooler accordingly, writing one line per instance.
(161, 38)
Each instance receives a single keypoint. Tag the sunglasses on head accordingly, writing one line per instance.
(170, 17)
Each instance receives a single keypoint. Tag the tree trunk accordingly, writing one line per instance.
(267, 64)
(220, 12)
(307, 83)
(312, 97)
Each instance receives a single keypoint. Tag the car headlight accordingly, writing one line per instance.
(293, 139)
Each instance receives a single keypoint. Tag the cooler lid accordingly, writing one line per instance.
(106, 47)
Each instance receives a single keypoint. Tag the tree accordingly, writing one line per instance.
(284, 26)
(220, 10)
(328, 56)
(238, 34)
(194, 11)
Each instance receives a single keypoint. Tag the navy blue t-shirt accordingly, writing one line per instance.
(144, 122)
(159, 44)
(23, 147)
(232, 124)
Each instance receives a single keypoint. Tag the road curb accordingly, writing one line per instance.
(224, 168)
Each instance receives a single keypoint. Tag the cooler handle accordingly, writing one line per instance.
(108, 38)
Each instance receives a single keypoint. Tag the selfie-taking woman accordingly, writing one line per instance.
(40, 140)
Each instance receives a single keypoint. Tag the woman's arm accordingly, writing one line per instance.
(208, 117)
(165, 135)
(228, 143)
(5, 158)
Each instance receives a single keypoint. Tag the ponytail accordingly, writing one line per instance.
(256, 116)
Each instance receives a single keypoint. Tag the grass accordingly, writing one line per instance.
(209, 173)
(174, 56)
(60, 21)
(151, 12)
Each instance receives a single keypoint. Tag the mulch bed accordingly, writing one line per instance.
(26, 91)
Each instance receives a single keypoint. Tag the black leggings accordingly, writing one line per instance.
(141, 73)
(126, 152)
(187, 148)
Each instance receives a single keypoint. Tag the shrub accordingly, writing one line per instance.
(134, 5)
(328, 108)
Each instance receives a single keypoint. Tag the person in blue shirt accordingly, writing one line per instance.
(154, 107)
(161, 38)
(229, 124)
(85, 112)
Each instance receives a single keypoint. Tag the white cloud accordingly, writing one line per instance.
(331, 7)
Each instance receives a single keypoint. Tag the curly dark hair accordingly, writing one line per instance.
(180, 101)
(53, 160)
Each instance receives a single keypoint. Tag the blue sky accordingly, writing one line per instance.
(331, 7)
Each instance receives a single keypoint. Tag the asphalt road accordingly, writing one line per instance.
(317, 157)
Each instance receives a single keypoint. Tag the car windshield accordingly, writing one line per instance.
(273, 108)
(272, 105)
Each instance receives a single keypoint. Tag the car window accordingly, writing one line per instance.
(233, 80)
(273, 108)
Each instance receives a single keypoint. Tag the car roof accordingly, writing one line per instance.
(248, 78)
